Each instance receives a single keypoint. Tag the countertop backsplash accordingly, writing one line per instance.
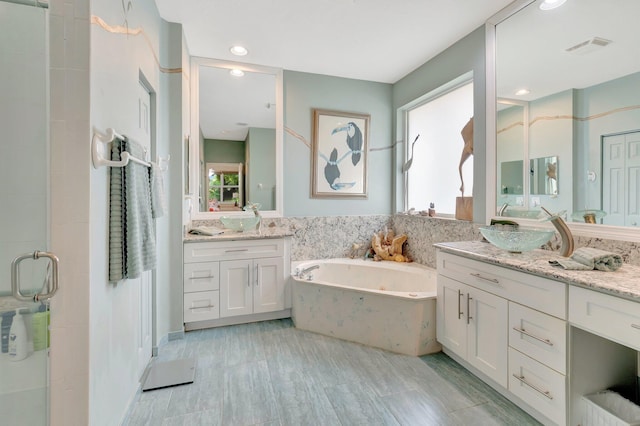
(326, 237)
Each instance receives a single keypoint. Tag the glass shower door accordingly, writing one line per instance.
(24, 213)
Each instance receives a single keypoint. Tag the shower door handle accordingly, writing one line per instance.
(52, 283)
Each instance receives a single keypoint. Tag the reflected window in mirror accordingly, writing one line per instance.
(543, 175)
(239, 122)
(437, 147)
(593, 92)
(225, 191)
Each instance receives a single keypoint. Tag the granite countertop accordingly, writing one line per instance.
(625, 282)
(228, 235)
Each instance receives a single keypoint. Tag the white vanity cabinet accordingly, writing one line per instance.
(251, 286)
(228, 282)
(470, 324)
(508, 326)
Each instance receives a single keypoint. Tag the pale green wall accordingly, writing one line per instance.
(602, 98)
(466, 55)
(223, 151)
(302, 93)
(260, 178)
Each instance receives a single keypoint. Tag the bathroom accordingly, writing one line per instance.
(94, 77)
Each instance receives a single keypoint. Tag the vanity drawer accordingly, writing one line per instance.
(539, 386)
(201, 306)
(536, 292)
(226, 250)
(608, 316)
(538, 335)
(201, 276)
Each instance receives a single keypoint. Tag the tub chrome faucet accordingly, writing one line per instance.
(300, 273)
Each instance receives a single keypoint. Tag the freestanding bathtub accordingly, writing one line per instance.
(387, 305)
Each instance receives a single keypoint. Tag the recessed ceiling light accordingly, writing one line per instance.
(523, 92)
(238, 50)
(236, 72)
(551, 4)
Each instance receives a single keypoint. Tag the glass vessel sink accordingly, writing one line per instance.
(516, 239)
(240, 223)
(528, 214)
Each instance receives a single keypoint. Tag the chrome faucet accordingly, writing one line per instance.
(502, 209)
(565, 233)
(306, 271)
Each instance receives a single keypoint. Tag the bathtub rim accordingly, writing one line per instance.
(406, 295)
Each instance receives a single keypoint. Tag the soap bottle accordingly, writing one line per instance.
(18, 347)
(40, 327)
(7, 320)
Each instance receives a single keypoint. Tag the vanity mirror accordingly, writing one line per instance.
(236, 138)
(576, 68)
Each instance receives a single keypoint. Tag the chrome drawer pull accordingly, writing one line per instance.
(635, 326)
(460, 294)
(193, 308)
(535, 388)
(236, 250)
(201, 278)
(526, 333)
(491, 280)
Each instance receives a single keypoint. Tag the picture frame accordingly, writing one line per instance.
(339, 154)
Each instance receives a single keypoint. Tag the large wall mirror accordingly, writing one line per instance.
(236, 138)
(568, 91)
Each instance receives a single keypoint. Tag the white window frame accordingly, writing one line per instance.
(403, 124)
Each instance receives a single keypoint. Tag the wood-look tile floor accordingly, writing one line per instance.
(270, 373)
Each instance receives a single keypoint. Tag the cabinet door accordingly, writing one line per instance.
(451, 326)
(487, 320)
(268, 292)
(236, 292)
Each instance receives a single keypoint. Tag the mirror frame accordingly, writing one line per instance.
(609, 232)
(194, 148)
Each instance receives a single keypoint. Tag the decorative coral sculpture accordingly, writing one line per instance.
(387, 246)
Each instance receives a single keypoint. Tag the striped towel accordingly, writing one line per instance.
(158, 199)
(132, 245)
(588, 259)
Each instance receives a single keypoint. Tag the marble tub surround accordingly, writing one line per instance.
(621, 283)
(323, 237)
(387, 305)
(424, 231)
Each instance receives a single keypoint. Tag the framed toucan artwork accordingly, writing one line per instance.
(339, 154)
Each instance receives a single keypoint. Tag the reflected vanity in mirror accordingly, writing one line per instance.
(586, 112)
(236, 156)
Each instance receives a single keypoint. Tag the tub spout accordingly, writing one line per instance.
(302, 272)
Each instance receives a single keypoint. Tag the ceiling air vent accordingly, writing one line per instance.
(589, 46)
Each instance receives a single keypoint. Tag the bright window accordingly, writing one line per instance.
(225, 185)
(433, 176)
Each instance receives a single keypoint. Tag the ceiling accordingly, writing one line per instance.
(537, 59)
(374, 40)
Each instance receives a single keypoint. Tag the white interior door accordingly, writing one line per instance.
(146, 279)
(24, 212)
(621, 179)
